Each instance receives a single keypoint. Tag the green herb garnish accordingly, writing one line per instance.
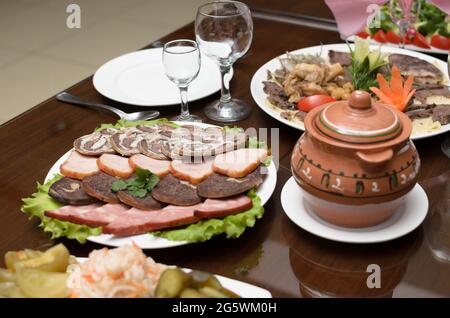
(365, 65)
(139, 185)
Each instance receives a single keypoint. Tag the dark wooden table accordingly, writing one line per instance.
(275, 254)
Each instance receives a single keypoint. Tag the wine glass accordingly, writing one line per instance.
(181, 60)
(404, 13)
(224, 32)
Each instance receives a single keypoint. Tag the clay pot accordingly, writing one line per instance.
(355, 161)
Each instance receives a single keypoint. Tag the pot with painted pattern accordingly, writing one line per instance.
(355, 161)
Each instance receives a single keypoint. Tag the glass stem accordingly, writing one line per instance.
(225, 90)
(184, 102)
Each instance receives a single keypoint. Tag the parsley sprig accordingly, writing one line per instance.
(139, 185)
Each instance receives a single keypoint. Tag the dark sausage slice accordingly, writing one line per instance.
(69, 191)
(146, 203)
(174, 191)
(220, 186)
(99, 186)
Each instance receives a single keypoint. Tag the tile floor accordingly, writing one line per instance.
(40, 56)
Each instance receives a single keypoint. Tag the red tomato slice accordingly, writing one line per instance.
(393, 37)
(363, 34)
(380, 36)
(310, 102)
(440, 42)
(421, 41)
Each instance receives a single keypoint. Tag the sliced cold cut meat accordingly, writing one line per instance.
(191, 171)
(99, 186)
(138, 221)
(239, 163)
(171, 190)
(423, 71)
(145, 203)
(126, 141)
(69, 191)
(92, 216)
(78, 166)
(218, 208)
(115, 165)
(95, 144)
(151, 146)
(220, 186)
(158, 167)
(193, 141)
(65, 212)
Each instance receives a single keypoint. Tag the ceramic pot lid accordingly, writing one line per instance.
(359, 120)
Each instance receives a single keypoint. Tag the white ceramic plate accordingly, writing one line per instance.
(260, 97)
(400, 224)
(148, 241)
(138, 78)
(245, 290)
(411, 47)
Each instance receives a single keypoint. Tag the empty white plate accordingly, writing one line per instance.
(400, 224)
(138, 78)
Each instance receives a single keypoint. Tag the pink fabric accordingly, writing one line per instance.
(351, 15)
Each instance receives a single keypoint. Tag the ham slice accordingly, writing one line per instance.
(92, 215)
(239, 163)
(64, 213)
(190, 171)
(218, 208)
(158, 167)
(115, 165)
(119, 219)
(139, 221)
(78, 166)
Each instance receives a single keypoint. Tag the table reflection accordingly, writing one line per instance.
(331, 269)
(437, 224)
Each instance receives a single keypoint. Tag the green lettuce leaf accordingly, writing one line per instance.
(121, 123)
(233, 225)
(39, 202)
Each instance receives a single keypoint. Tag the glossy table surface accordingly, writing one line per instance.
(274, 254)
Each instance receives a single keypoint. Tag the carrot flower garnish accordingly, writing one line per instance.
(395, 93)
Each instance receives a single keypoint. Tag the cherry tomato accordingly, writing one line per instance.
(363, 34)
(421, 41)
(440, 42)
(380, 36)
(310, 102)
(393, 37)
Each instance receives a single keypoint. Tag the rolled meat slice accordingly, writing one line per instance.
(99, 186)
(219, 208)
(239, 163)
(191, 171)
(171, 190)
(69, 191)
(95, 144)
(126, 141)
(115, 165)
(78, 166)
(220, 186)
(151, 146)
(158, 167)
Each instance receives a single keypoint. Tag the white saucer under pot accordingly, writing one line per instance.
(411, 210)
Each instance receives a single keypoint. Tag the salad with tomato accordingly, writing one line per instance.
(431, 30)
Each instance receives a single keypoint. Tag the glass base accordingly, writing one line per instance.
(193, 118)
(445, 146)
(232, 111)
